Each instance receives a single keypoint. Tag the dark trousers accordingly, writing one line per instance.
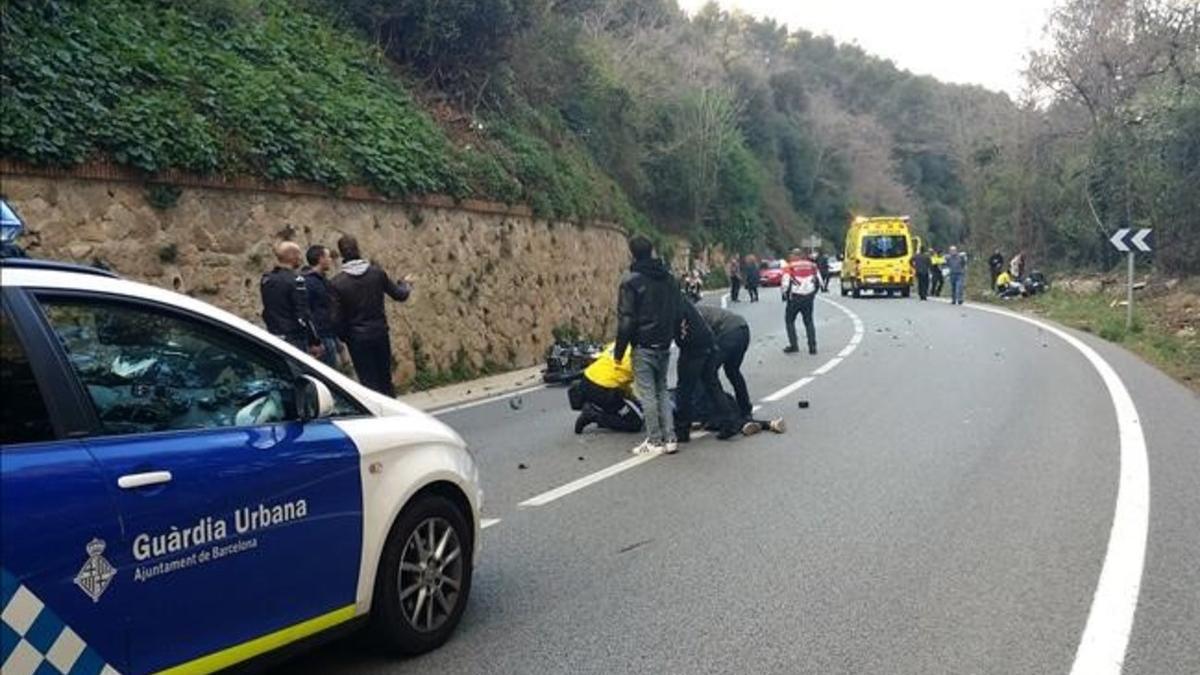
(731, 350)
(923, 285)
(735, 287)
(802, 305)
(372, 358)
(936, 281)
(609, 408)
(752, 291)
(699, 371)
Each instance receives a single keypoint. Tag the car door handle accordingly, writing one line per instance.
(137, 480)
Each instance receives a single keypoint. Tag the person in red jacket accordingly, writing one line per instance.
(801, 281)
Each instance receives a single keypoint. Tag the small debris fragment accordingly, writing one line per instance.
(522, 466)
(581, 459)
(803, 403)
(516, 402)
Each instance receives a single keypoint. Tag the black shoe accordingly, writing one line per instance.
(582, 422)
(812, 350)
(683, 435)
(791, 349)
(727, 433)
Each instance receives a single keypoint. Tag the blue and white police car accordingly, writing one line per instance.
(180, 491)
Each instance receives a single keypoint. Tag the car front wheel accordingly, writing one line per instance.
(424, 578)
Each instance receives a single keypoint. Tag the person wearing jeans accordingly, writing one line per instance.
(957, 264)
(647, 312)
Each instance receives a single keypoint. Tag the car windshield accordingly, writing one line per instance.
(885, 246)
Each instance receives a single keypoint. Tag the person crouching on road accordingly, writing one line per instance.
(320, 302)
(604, 395)
(286, 313)
(697, 367)
(801, 280)
(647, 310)
(358, 314)
(732, 335)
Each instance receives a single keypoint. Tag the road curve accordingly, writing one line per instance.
(944, 506)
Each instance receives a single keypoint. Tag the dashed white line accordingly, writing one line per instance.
(829, 365)
(581, 483)
(485, 523)
(788, 389)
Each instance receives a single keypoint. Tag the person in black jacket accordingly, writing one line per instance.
(647, 309)
(699, 361)
(286, 313)
(358, 315)
(996, 265)
(922, 265)
(319, 301)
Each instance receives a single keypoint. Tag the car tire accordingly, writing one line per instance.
(407, 617)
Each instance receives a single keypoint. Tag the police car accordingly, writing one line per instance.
(181, 491)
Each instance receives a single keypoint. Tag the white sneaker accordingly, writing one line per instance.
(648, 448)
(671, 447)
(750, 428)
(778, 425)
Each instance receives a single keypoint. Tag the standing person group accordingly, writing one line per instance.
(653, 315)
(801, 281)
(312, 312)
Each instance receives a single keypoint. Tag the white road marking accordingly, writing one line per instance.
(485, 400)
(829, 365)
(581, 483)
(1106, 635)
(725, 301)
(485, 523)
(795, 386)
(832, 363)
(756, 408)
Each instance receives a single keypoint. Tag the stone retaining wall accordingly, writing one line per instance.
(492, 282)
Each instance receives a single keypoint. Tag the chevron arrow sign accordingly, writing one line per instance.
(1127, 239)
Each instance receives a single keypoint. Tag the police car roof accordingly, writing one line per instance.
(55, 266)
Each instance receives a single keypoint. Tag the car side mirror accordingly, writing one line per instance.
(313, 398)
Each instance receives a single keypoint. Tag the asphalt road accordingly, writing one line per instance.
(943, 506)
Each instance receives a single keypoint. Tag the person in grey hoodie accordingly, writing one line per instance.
(357, 303)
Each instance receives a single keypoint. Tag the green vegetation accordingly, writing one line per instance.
(1155, 334)
(717, 127)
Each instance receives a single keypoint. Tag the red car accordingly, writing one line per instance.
(771, 273)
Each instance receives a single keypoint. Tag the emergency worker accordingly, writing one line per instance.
(604, 395)
(801, 280)
(285, 312)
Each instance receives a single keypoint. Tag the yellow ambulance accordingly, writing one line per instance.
(878, 256)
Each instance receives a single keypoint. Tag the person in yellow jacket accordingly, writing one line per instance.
(604, 395)
(937, 277)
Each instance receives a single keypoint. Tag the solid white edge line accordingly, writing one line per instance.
(485, 523)
(485, 400)
(847, 351)
(1110, 620)
(829, 365)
